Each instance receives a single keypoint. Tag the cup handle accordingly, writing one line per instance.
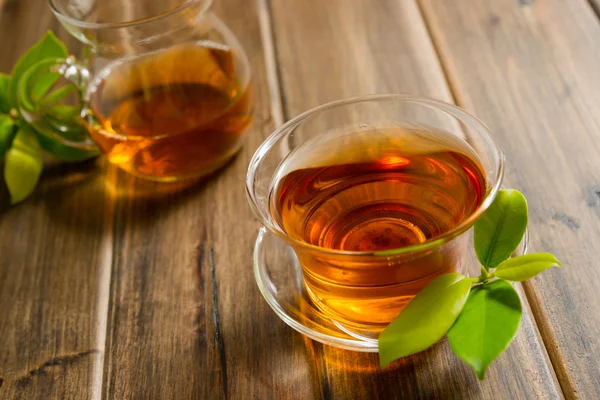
(60, 127)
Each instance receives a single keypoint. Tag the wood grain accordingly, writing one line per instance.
(333, 49)
(50, 255)
(165, 271)
(186, 319)
(530, 70)
(49, 258)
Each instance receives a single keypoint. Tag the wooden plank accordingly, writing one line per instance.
(49, 255)
(186, 319)
(328, 50)
(530, 70)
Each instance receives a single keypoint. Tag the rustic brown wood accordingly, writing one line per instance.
(111, 287)
(50, 255)
(530, 70)
(186, 319)
(49, 258)
(333, 49)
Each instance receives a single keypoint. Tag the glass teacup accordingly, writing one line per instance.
(166, 85)
(376, 196)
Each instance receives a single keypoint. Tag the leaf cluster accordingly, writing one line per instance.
(33, 121)
(480, 316)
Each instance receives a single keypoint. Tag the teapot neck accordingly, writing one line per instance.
(130, 37)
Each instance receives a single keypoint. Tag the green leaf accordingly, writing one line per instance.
(34, 83)
(501, 228)
(23, 165)
(47, 47)
(44, 83)
(526, 267)
(64, 111)
(8, 130)
(4, 84)
(59, 127)
(65, 121)
(57, 94)
(61, 150)
(487, 324)
(425, 319)
(61, 133)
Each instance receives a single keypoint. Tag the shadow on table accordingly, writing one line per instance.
(83, 195)
(278, 358)
(426, 375)
(336, 373)
(57, 186)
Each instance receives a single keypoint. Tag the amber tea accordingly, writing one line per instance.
(373, 191)
(176, 113)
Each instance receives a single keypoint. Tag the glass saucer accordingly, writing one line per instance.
(279, 277)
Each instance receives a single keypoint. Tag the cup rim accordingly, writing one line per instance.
(125, 24)
(462, 115)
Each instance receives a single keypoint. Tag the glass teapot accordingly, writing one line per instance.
(164, 88)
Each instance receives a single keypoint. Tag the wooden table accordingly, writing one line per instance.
(110, 289)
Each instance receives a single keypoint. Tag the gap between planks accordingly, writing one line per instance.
(540, 317)
(104, 281)
(107, 242)
(273, 76)
(279, 115)
(548, 336)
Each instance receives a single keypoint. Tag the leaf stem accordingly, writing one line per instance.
(485, 275)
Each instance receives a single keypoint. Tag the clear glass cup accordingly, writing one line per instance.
(362, 291)
(165, 85)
